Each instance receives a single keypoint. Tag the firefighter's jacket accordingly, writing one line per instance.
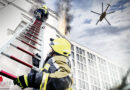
(56, 75)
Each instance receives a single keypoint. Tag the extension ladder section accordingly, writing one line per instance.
(29, 35)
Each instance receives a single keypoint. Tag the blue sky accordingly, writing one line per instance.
(112, 41)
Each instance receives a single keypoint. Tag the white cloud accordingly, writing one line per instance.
(51, 4)
(111, 44)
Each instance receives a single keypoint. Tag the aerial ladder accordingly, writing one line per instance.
(32, 37)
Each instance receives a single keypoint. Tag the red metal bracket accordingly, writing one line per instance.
(22, 50)
(8, 75)
(33, 36)
(28, 44)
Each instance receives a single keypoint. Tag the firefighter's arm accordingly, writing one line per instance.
(21, 81)
(31, 80)
(63, 71)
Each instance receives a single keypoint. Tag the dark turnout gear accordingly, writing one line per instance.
(55, 75)
(36, 60)
(22, 81)
(42, 13)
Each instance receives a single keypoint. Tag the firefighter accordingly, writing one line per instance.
(42, 13)
(56, 72)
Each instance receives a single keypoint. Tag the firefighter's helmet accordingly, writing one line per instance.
(45, 7)
(61, 46)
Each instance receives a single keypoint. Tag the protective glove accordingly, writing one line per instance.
(20, 82)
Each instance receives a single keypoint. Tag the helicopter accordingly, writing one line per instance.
(103, 14)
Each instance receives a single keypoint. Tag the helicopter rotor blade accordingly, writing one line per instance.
(107, 21)
(102, 7)
(107, 7)
(95, 12)
(97, 22)
(111, 12)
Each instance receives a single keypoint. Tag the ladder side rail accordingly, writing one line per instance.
(42, 46)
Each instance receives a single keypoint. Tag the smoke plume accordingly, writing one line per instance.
(63, 9)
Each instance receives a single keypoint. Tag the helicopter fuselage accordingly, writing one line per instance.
(103, 15)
